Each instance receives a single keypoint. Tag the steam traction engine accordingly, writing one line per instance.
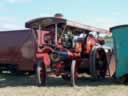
(67, 48)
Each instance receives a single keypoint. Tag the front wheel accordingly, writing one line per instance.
(74, 73)
(41, 73)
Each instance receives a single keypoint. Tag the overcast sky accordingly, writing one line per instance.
(99, 13)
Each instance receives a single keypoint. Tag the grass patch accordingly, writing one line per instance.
(16, 85)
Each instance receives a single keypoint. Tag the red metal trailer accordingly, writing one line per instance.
(17, 50)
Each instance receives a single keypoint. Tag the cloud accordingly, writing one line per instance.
(9, 24)
(102, 22)
(107, 22)
(18, 1)
(3, 8)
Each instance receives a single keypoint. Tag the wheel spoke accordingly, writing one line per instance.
(74, 75)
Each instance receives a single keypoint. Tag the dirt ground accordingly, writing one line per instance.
(19, 85)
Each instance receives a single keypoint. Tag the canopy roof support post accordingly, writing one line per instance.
(39, 40)
(56, 29)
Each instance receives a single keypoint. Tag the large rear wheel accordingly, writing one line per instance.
(41, 73)
(98, 63)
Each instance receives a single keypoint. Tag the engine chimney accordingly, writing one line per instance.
(58, 15)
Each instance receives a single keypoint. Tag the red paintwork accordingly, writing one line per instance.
(90, 43)
(45, 57)
(42, 52)
(40, 35)
(59, 68)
